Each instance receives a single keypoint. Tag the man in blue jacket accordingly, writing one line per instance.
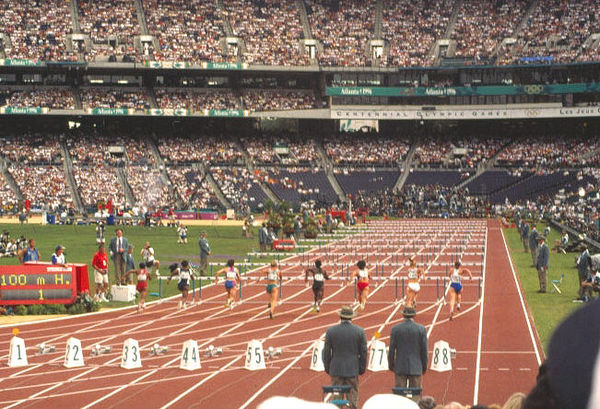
(407, 356)
(345, 353)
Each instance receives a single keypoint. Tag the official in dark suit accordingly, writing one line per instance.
(533, 243)
(525, 235)
(119, 246)
(345, 353)
(543, 256)
(407, 356)
(204, 253)
(262, 237)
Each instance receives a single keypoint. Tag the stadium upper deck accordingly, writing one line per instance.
(340, 33)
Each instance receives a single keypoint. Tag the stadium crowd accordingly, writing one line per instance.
(271, 31)
(198, 149)
(45, 98)
(343, 32)
(186, 30)
(194, 31)
(550, 152)
(196, 100)
(412, 27)
(43, 186)
(149, 189)
(366, 150)
(114, 98)
(37, 30)
(193, 188)
(31, 148)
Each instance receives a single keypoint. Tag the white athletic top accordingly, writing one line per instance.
(231, 274)
(363, 274)
(455, 276)
(148, 254)
(182, 231)
(184, 275)
(272, 275)
(413, 274)
(142, 275)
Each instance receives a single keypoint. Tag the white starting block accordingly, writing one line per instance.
(158, 349)
(100, 349)
(122, 292)
(45, 349)
(190, 360)
(255, 356)
(131, 358)
(378, 356)
(211, 351)
(316, 362)
(17, 354)
(272, 353)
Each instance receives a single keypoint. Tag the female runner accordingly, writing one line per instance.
(142, 284)
(273, 276)
(456, 286)
(185, 276)
(362, 283)
(232, 276)
(415, 274)
(318, 286)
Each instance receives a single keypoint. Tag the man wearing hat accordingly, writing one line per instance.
(407, 356)
(345, 353)
(58, 257)
(204, 253)
(543, 256)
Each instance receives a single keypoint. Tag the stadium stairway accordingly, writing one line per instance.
(68, 169)
(164, 175)
(10, 180)
(130, 199)
(483, 166)
(141, 16)
(250, 166)
(304, 19)
(75, 18)
(327, 164)
(215, 186)
(405, 171)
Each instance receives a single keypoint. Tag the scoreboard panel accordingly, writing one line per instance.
(38, 284)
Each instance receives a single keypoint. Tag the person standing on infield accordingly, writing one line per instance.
(345, 353)
(407, 356)
(543, 256)
(119, 246)
(204, 253)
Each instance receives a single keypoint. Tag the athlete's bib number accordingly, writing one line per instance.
(318, 277)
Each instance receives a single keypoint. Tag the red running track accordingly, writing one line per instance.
(497, 355)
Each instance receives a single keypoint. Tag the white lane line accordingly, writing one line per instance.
(480, 331)
(525, 313)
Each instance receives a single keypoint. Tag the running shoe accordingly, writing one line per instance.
(180, 305)
(270, 315)
(315, 308)
(318, 308)
(362, 307)
(458, 307)
(231, 305)
(103, 298)
(451, 316)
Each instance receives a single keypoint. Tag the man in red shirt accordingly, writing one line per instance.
(100, 265)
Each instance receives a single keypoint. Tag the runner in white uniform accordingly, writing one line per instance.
(185, 276)
(362, 282)
(147, 254)
(415, 274)
(456, 287)
(232, 276)
(273, 276)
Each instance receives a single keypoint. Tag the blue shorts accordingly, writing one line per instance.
(182, 285)
(457, 287)
(229, 284)
(270, 287)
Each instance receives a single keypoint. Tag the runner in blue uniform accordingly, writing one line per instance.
(456, 287)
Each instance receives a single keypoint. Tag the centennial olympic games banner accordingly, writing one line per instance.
(457, 113)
